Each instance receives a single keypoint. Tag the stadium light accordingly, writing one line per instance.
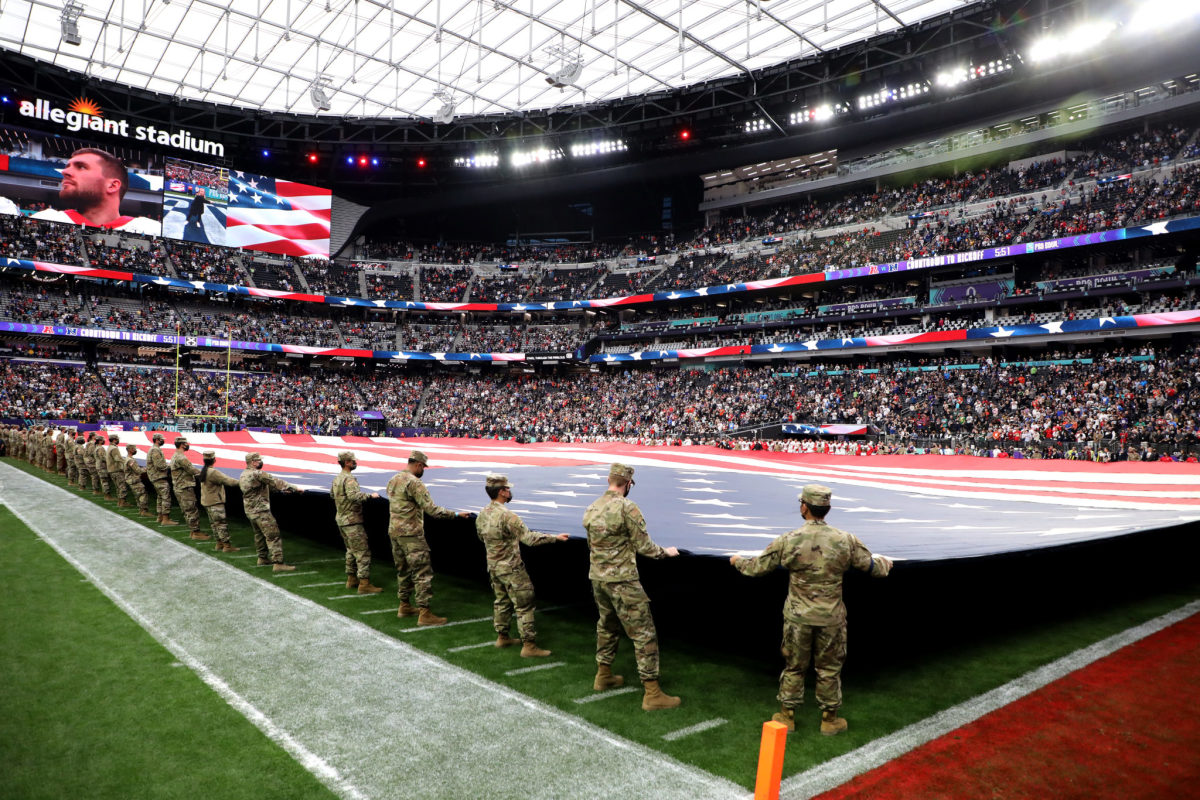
(266, 153)
(587, 149)
(1077, 40)
(541, 155)
(350, 160)
(685, 134)
(756, 125)
(71, 13)
(312, 158)
(477, 161)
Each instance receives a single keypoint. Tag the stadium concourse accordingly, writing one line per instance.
(715, 502)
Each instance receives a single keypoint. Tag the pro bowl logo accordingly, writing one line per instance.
(190, 341)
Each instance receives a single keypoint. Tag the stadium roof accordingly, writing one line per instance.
(414, 58)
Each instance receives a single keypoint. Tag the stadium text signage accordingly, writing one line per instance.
(86, 115)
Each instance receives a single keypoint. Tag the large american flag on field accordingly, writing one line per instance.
(277, 216)
(716, 502)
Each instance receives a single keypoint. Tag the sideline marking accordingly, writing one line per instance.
(376, 611)
(446, 624)
(296, 574)
(344, 596)
(836, 771)
(537, 668)
(315, 585)
(607, 693)
(304, 634)
(699, 727)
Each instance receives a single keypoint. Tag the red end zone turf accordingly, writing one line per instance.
(1126, 726)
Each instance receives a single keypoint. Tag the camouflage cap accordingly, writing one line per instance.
(80, 440)
(180, 440)
(113, 438)
(814, 494)
(346, 455)
(419, 457)
(623, 471)
(495, 481)
(209, 454)
(131, 448)
(158, 437)
(253, 457)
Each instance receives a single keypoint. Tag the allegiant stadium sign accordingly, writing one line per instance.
(85, 115)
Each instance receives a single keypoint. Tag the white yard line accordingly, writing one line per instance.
(535, 668)
(699, 727)
(591, 698)
(294, 574)
(837, 771)
(321, 585)
(310, 678)
(462, 647)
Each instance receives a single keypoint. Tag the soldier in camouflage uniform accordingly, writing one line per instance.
(408, 502)
(60, 450)
(348, 499)
(159, 475)
(133, 479)
(183, 479)
(816, 557)
(616, 532)
(70, 450)
(100, 464)
(91, 455)
(116, 469)
(256, 487)
(212, 497)
(502, 533)
(81, 462)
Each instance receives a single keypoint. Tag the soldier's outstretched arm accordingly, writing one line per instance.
(420, 496)
(873, 565)
(765, 562)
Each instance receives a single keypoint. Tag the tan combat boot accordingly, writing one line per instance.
(428, 618)
(832, 724)
(351, 581)
(531, 650)
(366, 587)
(263, 562)
(229, 548)
(121, 502)
(787, 716)
(406, 610)
(605, 678)
(200, 536)
(655, 698)
(165, 519)
(503, 640)
(108, 497)
(143, 512)
(283, 568)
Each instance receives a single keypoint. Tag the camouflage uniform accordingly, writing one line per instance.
(501, 532)
(83, 462)
(348, 499)
(816, 557)
(71, 451)
(408, 502)
(90, 456)
(156, 470)
(116, 468)
(616, 532)
(100, 464)
(256, 487)
(60, 451)
(212, 497)
(183, 479)
(133, 479)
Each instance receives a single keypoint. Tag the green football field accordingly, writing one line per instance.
(95, 707)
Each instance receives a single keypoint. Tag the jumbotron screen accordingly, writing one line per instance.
(234, 208)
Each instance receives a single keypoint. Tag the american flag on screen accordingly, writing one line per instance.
(277, 216)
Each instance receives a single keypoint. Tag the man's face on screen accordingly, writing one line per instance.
(84, 183)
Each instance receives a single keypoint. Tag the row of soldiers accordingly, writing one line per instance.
(94, 459)
(816, 555)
